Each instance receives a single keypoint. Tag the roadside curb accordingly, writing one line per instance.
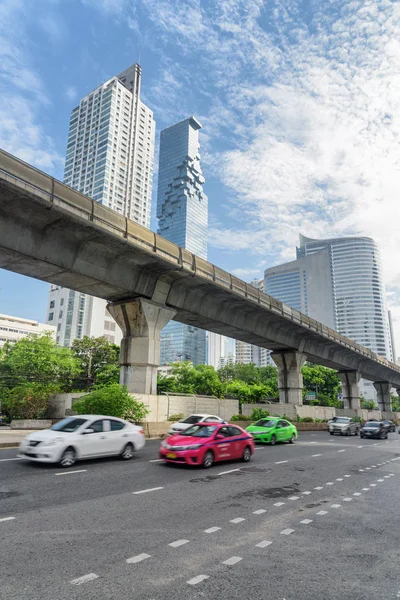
(6, 445)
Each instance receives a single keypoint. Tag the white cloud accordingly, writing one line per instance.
(71, 93)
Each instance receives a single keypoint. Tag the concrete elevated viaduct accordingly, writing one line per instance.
(53, 233)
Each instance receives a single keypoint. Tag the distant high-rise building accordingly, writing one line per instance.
(339, 282)
(182, 211)
(249, 353)
(110, 156)
(220, 350)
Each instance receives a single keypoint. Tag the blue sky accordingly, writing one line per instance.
(299, 102)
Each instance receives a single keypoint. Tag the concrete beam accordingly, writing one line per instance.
(141, 322)
(290, 379)
(350, 381)
(383, 395)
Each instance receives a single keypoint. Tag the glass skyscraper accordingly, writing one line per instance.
(110, 156)
(182, 212)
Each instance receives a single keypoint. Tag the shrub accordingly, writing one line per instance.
(112, 400)
(306, 420)
(177, 417)
(259, 413)
(240, 418)
(357, 419)
(28, 401)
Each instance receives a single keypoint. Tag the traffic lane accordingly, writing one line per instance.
(103, 546)
(41, 486)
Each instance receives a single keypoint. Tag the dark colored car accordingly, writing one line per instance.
(374, 429)
(391, 426)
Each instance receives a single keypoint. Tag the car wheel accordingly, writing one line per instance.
(128, 451)
(361, 435)
(68, 458)
(357, 432)
(292, 439)
(273, 440)
(331, 432)
(246, 454)
(208, 459)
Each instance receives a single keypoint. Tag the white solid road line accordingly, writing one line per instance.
(281, 462)
(227, 472)
(260, 511)
(263, 544)
(7, 459)
(178, 543)
(149, 490)
(7, 519)
(306, 521)
(84, 579)
(287, 531)
(322, 512)
(138, 558)
(238, 520)
(232, 560)
(197, 579)
(212, 529)
(71, 472)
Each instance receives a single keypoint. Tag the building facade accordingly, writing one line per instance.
(182, 212)
(13, 329)
(220, 350)
(110, 158)
(339, 282)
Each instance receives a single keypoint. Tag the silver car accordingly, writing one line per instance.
(344, 426)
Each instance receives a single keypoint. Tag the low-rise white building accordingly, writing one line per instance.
(13, 329)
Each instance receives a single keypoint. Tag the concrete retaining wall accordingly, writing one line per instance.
(31, 424)
(60, 405)
(162, 406)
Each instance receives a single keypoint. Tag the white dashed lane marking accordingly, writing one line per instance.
(212, 529)
(178, 543)
(315, 455)
(157, 460)
(287, 531)
(357, 494)
(197, 579)
(306, 493)
(318, 488)
(281, 462)
(347, 475)
(372, 485)
(347, 499)
(227, 472)
(260, 511)
(232, 560)
(8, 459)
(329, 483)
(238, 520)
(322, 512)
(84, 579)
(138, 558)
(335, 505)
(149, 490)
(71, 472)
(306, 521)
(341, 450)
(293, 498)
(365, 489)
(279, 503)
(339, 479)
(7, 519)
(380, 480)
(263, 544)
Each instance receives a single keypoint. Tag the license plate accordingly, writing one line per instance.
(171, 455)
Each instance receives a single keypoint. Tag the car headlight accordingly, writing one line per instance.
(165, 445)
(193, 447)
(53, 442)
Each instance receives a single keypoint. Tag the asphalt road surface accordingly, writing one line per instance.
(317, 520)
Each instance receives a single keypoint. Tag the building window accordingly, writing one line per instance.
(52, 303)
(51, 315)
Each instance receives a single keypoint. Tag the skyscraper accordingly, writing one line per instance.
(339, 282)
(110, 156)
(182, 211)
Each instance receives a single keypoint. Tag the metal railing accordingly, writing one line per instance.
(32, 180)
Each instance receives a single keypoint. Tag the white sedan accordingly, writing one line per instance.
(82, 437)
(192, 420)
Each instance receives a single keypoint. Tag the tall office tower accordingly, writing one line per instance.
(182, 211)
(220, 350)
(110, 156)
(339, 282)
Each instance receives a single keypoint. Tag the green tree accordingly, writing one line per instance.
(98, 361)
(113, 400)
(28, 400)
(325, 382)
(238, 371)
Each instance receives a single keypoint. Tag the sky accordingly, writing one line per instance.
(299, 102)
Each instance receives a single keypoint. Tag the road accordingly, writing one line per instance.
(314, 520)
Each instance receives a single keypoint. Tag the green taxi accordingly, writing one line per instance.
(271, 430)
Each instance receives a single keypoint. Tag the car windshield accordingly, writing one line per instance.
(192, 419)
(373, 424)
(202, 431)
(68, 425)
(265, 423)
(342, 420)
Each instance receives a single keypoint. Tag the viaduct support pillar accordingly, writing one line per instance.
(350, 388)
(383, 395)
(141, 322)
(290, 379)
